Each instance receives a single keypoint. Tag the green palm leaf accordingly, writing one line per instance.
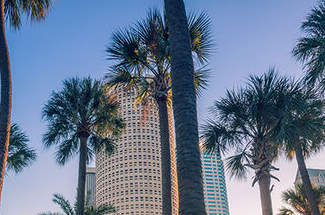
(33, 9)
(310, 49)
(200, 35)
(69, 209)
(20, 155)
(297, 200)
(63, 203)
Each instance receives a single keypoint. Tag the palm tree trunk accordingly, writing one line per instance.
(5, 104)
(265, 194)
(165, 158)
(306, 181)
(82, 176)
(189, 169)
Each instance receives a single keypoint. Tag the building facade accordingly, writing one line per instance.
(317, 177)
(130, 179)
(91, 185)
(215, 190)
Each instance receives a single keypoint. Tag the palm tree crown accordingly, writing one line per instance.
(252, 120)
(20, 155)
(248, 119)
(143, 57)
(310, 49)
(305, 129)
(297, 200)
(82, 108)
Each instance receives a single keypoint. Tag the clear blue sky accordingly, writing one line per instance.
(251, 36)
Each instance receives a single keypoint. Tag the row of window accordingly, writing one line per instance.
(141, 137)
(126, 185)
(135, 177)
(138, 206)
(129, 199)
(102, 174)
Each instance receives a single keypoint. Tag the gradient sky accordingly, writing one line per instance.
(250, 36)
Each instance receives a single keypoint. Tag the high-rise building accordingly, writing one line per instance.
(130, 179)
(91, 185)
(215, 190)
(317, 177)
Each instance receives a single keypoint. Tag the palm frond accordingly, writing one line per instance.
(314, 23)
(236, 165)
(297, 199)
(98, 144)
(105, 209)
(20, 155)
(285, 211)
(201, 79)
(68, 209)
(121, 76)
(216, 138)
(310, 49)
(126, 48)
(67, 149)
(33, 9)
(63, 203)
(201, 35)
(154, 34)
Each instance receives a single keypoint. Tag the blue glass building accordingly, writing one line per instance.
(215, 190)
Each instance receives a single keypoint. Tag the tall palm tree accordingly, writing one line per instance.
(306, 127)
(252, 120)
(68, 209)
(20, 155)
(310, 49)
(144, 63)
(189, 169)
(296, 199)
(12, 11)
(82, 119)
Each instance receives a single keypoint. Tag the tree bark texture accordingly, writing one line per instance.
(5, 104)
(165, 158)
(306, 181)
(265, 194)
(82, 176)
(189, 169)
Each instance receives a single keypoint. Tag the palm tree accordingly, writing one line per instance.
(189, 169)
(82, 119)
(20, 155)
(252, 120)
(307, 135)
(12, 10)
(310, 49)
(68, 209)
(296, 199)
(144, 63)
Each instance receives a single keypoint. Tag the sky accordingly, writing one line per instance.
(250, 36)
